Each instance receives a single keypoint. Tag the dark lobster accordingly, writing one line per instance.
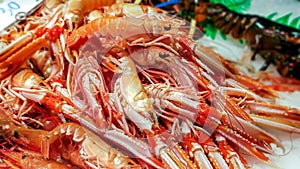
(276, 43)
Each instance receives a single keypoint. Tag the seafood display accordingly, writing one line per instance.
(104, 84)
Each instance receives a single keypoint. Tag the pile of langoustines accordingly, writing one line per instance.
(91, 84)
